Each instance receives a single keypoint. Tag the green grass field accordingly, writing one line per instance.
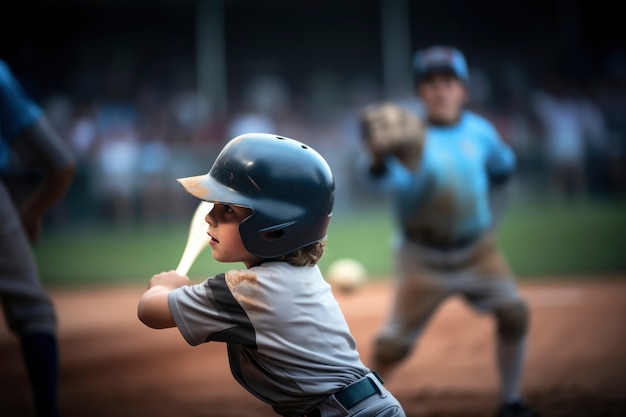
(548, 239)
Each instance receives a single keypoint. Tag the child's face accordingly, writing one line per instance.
(443, 96)
(226, 241)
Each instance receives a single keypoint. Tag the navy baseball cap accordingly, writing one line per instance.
(437, 59)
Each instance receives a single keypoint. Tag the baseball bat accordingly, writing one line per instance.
(197, 240)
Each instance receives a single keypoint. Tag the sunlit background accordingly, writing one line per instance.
(148, 91)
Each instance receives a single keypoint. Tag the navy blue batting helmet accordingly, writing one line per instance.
(438, 59)
(288, 186)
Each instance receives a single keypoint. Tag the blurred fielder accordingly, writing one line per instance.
(29, 145)
(447, 175)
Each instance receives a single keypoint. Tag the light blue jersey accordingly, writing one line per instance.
(446, 199)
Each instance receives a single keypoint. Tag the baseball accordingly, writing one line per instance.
(346, 274)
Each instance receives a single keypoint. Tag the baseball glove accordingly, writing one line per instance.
(387, 129)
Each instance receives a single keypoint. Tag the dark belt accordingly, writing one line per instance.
(354, 393)
(441, 244)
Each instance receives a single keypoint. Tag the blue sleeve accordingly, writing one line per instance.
(395, 177)
(17, 110)
(501, 159)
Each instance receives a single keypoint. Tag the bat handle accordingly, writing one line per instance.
(184, 265)
(197, 239)
(189, 256)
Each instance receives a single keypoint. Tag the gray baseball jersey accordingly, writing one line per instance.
(288, 341)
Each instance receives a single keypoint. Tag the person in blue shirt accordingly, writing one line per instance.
(446, 214)
(29, 145)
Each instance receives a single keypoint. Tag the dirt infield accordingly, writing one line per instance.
(112, 365)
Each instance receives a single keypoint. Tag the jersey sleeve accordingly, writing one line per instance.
(17, 110)
(208, 312)
(395, 177)
(501, 159)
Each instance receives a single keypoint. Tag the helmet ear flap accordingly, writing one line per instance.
(275, 232)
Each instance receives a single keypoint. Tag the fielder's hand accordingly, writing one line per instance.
(390, 129)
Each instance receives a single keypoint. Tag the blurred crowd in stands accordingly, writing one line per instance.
(132, 143)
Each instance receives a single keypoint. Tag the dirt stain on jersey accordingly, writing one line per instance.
(431, 225)
(445, 203)
(245, 287)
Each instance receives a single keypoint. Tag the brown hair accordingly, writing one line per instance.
(306, 256)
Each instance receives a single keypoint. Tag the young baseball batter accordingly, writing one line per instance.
(28, 144)
(288, 342)
(445, 241)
